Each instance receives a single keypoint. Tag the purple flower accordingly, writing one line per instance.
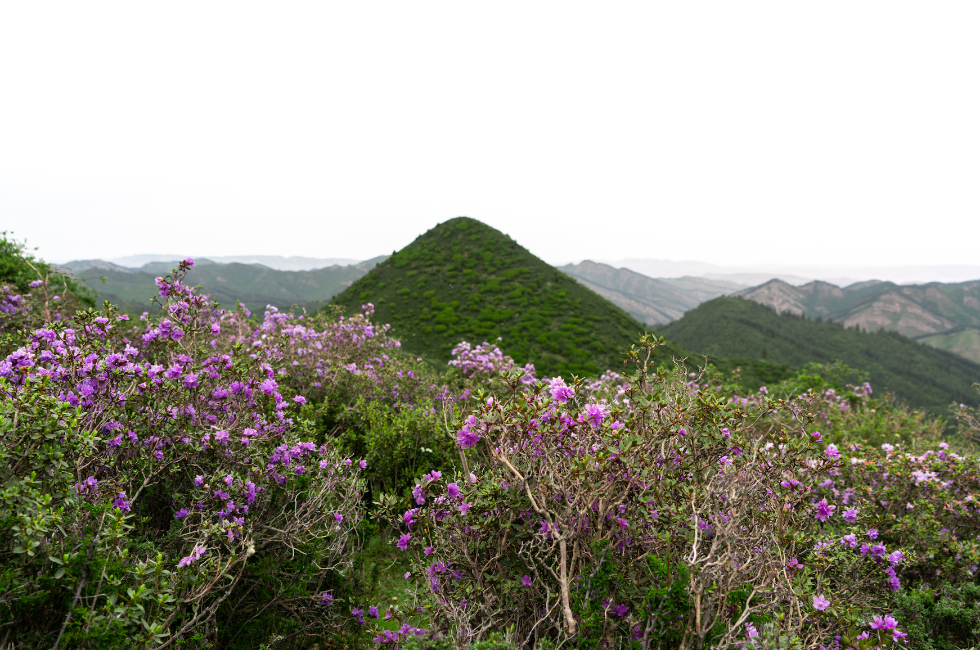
(193, 557)
(453, 490)
(403, 541)
(824, 510)
(621, 610)
(299, 399)
(873, 533)
(373, 611)
(409, 517)
(268, 386)
(750, 632)
(363, 464)
(121, 502)
(358, 614)
(596, 413)
(408, 574)
(198, 480)
(464, 508)
(886, 623)
(526, 581)
(821, 603)
(831, 452)
(850, 515)
(326, 599)
(181, 513)
(339, 517)
(896, 557)
(559, 391)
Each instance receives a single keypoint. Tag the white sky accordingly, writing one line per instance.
(825, 133)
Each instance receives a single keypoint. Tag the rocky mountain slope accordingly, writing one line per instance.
(653, 301)
(945, 316)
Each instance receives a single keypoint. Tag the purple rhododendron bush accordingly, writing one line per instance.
(149, 481)
(206, 478)
(651, 513)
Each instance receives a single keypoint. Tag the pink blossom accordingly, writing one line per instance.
(824, 510)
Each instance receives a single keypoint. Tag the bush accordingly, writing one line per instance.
(551, 536)
(941, 620)
(147, 487)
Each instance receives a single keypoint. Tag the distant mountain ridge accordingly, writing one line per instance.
(277, 262)
(945, 316)
(253, 285)
(753, 274)
(654, 301)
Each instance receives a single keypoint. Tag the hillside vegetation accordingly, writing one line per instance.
(253, 285)
(464, 280)
(736, 328)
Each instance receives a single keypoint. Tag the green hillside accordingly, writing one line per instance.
(254, 285)
(964, 341)
(736, 328)
(464, 280)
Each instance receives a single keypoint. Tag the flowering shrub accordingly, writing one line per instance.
(654, 516)
(968, 420)
(200, 478)
(143, 479)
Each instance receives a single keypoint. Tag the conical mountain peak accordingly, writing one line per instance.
(464, 280)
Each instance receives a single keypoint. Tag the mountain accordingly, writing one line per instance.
(738, 328)
(945, 316)
(277, 262)
(649, 300)
(254, 285)
(753, 274)
(464, 280)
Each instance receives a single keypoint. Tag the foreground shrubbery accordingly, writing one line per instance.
(206, 479)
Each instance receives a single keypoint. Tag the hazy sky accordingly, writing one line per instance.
(729, 132)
